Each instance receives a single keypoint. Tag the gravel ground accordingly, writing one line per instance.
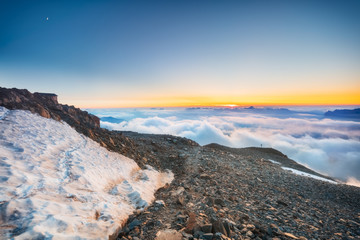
(225, 193)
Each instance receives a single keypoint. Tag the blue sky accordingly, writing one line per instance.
(134, 53)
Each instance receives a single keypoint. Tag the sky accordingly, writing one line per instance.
(183, 53)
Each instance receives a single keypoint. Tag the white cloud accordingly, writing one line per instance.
(329, 146)
(354, 182)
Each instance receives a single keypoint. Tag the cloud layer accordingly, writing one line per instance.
(329, 146)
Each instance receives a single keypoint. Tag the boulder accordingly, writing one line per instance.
(168, 234)
(218, 226)
(207, 228)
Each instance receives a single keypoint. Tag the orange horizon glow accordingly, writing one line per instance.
(221, 101)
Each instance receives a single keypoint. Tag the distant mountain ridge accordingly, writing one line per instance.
(111, 119)
(353, 114)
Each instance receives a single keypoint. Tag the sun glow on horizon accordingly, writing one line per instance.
(230, 105)
(349, 99)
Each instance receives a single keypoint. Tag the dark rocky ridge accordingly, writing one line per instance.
(218, 192)
(46, 105)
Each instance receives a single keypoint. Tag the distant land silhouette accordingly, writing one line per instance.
(353, 114)
(111, 119)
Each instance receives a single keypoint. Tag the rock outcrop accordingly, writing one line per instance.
(46, 105)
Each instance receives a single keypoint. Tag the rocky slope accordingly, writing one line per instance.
(223, 193)
(218, 192)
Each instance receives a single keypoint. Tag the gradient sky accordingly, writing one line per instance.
(182, 53)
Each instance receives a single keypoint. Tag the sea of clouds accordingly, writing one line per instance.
(329, 146)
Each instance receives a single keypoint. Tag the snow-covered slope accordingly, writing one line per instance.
(56, 183)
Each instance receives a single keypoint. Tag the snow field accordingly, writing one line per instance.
(56, 183)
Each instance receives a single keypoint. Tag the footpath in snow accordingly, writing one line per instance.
(56, 183)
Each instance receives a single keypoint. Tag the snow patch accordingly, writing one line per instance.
(56, 183)
(308, 175)
(3, 112)
(273, 161)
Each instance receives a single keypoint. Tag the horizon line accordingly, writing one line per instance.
(229, 106)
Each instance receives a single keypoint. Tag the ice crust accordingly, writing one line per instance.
(58, 184)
